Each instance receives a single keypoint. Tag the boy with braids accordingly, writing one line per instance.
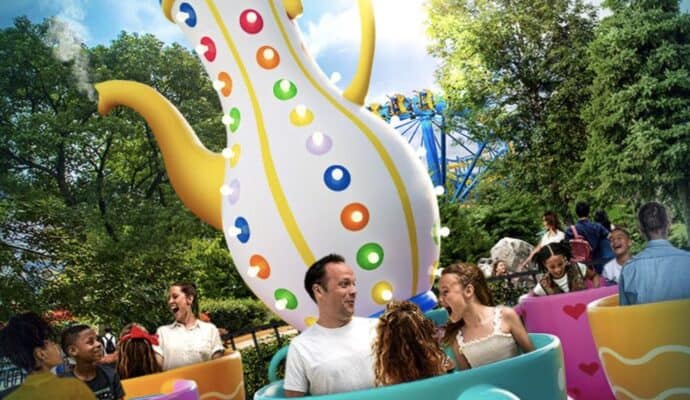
(136, 352)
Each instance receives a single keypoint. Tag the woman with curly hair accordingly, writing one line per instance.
(136, 356)
(405, 348)
(478, 332)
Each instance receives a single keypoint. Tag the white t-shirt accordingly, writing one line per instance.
(562, 282)
(180, 346)
(322, 360)
(552, 237)
(612, 270)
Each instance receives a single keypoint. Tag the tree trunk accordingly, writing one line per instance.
(684, 197)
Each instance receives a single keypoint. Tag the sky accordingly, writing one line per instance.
(330, 29)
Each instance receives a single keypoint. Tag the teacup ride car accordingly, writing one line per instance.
(563, 315)
(644, 349)
(221, 378)
(536, 375)
(181, 389)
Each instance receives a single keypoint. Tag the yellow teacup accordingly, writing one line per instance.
(645, 349)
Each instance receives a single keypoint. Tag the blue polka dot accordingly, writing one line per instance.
(187, 8)
(243, 226)
(337, 178)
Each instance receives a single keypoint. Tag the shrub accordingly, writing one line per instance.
(255, 362)
(236, 314)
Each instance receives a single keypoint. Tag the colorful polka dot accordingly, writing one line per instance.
(354, 217)
(301, 115)
(187, 15)
(310, 320)
(232, 193)
(336, 178)
(207, 47)
(232, 120)
(370, 256)
(251, 21)
(236, 150)
(223, 84)
(243, 226)
(285, 299)
(259, 267)
(267, 57)
(284, 89)
(382, 292)
(319, 143)
(433, 270)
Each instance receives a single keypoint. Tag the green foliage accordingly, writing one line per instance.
(679, 236)
(640, 108)
(496, 212)
(237, 314)
(517, 71)
(89, 221)
(255, 362)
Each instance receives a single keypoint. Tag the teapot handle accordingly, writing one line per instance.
(358, 88)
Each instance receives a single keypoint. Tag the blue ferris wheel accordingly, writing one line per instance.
(456, 162)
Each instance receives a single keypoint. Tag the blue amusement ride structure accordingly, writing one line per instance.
(454, 159)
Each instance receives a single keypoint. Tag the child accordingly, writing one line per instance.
(136, 354)
(562, 275)
(478, 332)
(26, 341)
(81, 343)
(405, 348)
(620, 242)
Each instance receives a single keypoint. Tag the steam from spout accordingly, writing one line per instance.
(65, 35)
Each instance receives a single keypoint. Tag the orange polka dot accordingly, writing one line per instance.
(227, 81)
(259, 262)
(354, 216)
(267, 57)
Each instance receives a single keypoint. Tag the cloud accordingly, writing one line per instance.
(144, 16)
(401, 62)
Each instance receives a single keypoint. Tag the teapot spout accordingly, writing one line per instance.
(195, 172)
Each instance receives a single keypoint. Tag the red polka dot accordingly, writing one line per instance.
(251, 21)
(210, 53)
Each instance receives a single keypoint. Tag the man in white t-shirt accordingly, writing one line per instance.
(620, 243)
(333, 355)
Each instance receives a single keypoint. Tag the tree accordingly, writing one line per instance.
(639, 117)
(516, 71)
(89, 220)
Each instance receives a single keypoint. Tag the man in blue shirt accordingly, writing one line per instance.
(660, 272)
(595, 234)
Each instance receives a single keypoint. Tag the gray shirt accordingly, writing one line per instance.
(658, 273)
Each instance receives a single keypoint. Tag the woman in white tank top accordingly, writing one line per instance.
(478, 332)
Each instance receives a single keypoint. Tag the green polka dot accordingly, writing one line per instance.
(284, 89)
(235, 123)
(370, 256)
(284, 294)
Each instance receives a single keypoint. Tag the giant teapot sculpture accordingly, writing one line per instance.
(306, 172)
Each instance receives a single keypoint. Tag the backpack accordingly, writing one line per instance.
(109, 343)
(580, 248)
